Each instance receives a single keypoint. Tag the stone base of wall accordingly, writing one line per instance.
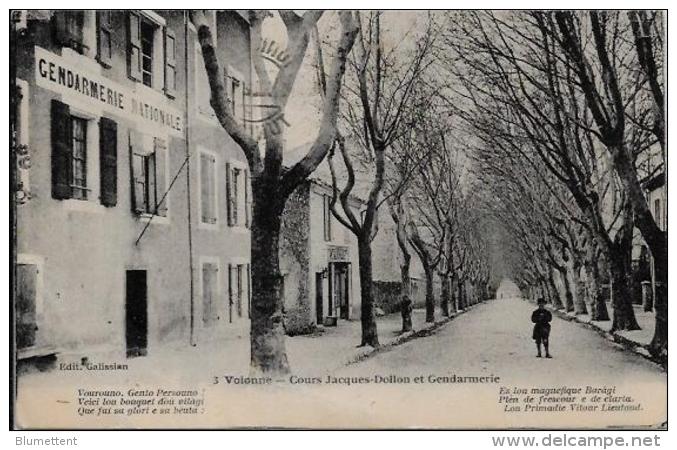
(387, 295)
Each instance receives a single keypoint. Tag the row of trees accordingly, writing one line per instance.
(564, 110)
(376, 115)
(537, 124)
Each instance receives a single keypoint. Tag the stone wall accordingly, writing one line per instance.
(295, 262)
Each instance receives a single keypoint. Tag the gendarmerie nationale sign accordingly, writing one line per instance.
(58, 74)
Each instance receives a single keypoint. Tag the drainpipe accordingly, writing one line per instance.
(188, 191)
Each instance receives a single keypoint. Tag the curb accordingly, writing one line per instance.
(403, 338)
(627, 344)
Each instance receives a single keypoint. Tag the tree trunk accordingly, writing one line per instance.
(405, 268)
(368, 318)
(552, 290)
(598, 307)
(429, 293)
(459, 290)
(444, 300)
(568, 295)
(579, 288)
(268, 353)
(620, 270)
(624, 313)
(659, 344)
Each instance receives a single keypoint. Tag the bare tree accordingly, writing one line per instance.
(514, 77)
(608, 90)
(375, 103)
(271, 185)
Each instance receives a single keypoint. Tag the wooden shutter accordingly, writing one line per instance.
(134, 47)
(108, 156)
(247, 199)
(64, 34)
(61, 150)
(207, 166)
(229, 195)
(104, 33)
(240, 274)
(161, 177)
(170, 63)
(137, 176)
(230, 292)
(249, 291)
(208, 292)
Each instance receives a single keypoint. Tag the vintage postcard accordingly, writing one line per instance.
(339, 219)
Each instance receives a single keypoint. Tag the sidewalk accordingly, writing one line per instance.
(177, 363)
(636, 340)
(336, 347)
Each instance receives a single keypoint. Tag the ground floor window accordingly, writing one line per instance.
(239, 288)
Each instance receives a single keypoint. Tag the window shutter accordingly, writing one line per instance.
(249, 291)
(108, 154)
(230, 292)
(244, 104)
(161, 177)
(104, 35)
(134, 50)
(207, 188)
(247, 199)
(204, 189)
(208, 278)
(229, 195)
(170, 63)
(61, 150)
(63, 33)
(137, 173)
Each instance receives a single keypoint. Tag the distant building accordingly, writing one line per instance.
(133, 223)
(319, 256)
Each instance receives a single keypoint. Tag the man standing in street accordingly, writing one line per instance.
(541, 318)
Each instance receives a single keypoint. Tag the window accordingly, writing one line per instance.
(69, 29)
(208, 188)
(238, 194)
(326, 200)
(69, 153)
(71, 156)
(147, 37)
(79, 158)
(233, 198)
(148, 41)
(149, 192)
(105, 32)
(235, 92)
(239, 285)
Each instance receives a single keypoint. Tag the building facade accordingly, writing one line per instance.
(133, 215)
(318, 260)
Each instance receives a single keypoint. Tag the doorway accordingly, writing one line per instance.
(136, 313)
(341, 289)
(319, 297)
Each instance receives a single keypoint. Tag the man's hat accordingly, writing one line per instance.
(541, 301)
